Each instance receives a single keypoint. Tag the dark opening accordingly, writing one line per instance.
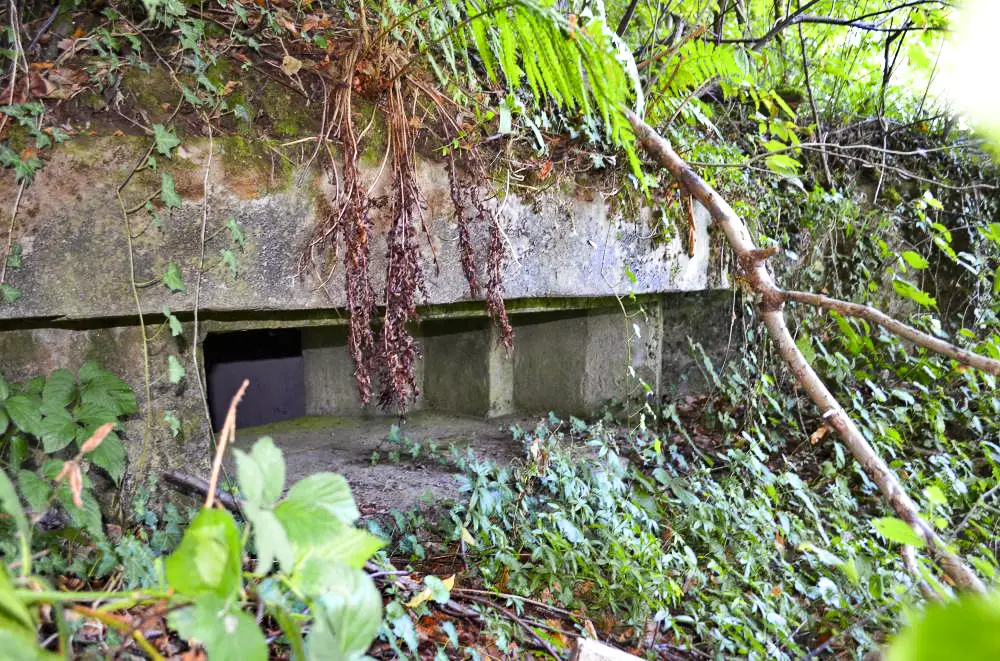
(271, 359)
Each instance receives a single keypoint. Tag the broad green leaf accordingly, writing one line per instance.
(329, 491)
(172, 278)
(175, 371)
(14, 615)
(87, 517)
(59, 389)
(348, 615)
(783, 164)
(168, 191)
(227, 633)
(913, 293)
(440, 589)
(4, 389)
(4, 420)
(23, 411)
(57, 430)
(106, 391)
(307, 525)
(166, 139)
(11, 504)
(23, 647)
(109, 455)
(897, 530)
(967, 628)
(271, 540)
(175, 325)
(35, 490)
(350, 546)
(261, 473)
(208, 559)
(915, 260)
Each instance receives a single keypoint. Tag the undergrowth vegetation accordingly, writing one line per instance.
(733, 523)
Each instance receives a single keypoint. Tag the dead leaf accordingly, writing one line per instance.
(291, 65)
(588, 628)
(818, 435)
(776, 590)
(546, 169)
(95, 439)
(467, 537)
(230, 86)
(418, 599)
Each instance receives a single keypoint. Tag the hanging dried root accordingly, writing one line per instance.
(404, 277)
(494, 286)
(467, 201)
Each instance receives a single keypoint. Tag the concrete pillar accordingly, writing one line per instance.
(500, 366)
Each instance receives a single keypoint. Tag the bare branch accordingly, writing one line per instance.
(896, 327)
(770, 300)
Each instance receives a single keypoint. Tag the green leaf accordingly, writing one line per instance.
(967, 628)
(10, 504)
(59, 389)
(329, 491)
(166, 139)
(350, 546)
(261, 473)
(307, 525)
(24, 647)
(271, 540)
(104, 390)
(9, 294)
(229, 259)
(783, 164)
(348, 616)
(168, 191)
(109, 455)
(14, 615)
(175, 371)
(227, 633)
(25, 412)
(173, 422)
(57, 430)
(4, 388)
(87, 517)
(175, 325)
(35, 490)
(440, 592)
(915, 260)
(904, 288)
(172, 278)
(208, 559)
(898, 531)
(235, 233)
(4, 421)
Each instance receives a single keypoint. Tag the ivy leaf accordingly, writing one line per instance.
(173, 423)
(175, 325)
(166, 139)
(229, 259)
(175, 371)
(225, 631)
(168, 191)
(9, 294)
(236, 234)
(208, 559)
(897, 530)
(172, 278)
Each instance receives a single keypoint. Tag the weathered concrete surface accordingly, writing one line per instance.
(361, 451)
(706, 318)
(76, 258)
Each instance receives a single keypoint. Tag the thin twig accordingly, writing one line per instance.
(228, 434)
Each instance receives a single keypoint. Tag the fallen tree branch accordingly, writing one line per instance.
(905, 331)
(770, 302)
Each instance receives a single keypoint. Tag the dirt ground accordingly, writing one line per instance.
(362, 451)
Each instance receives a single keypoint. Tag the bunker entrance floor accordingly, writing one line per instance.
(364, 451)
